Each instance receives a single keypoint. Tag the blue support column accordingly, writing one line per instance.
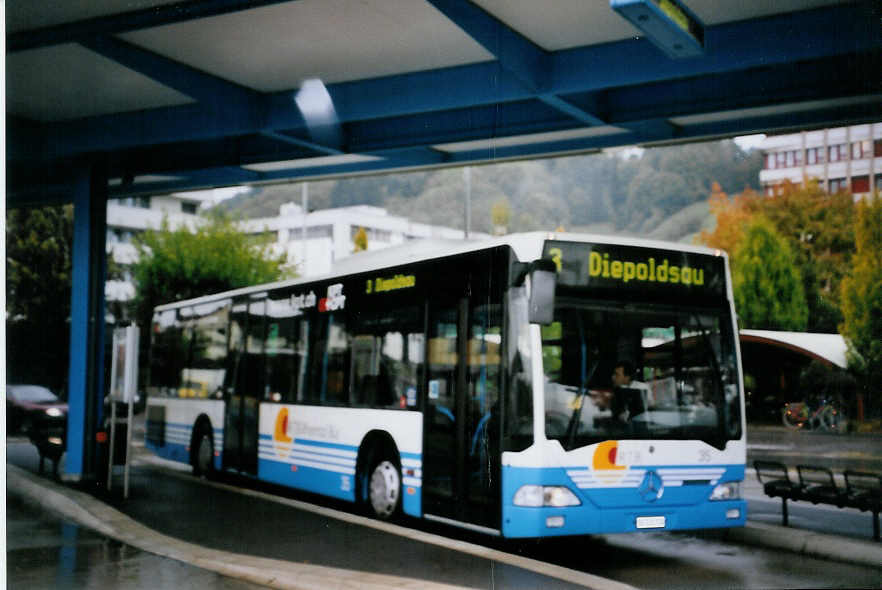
(86, 372)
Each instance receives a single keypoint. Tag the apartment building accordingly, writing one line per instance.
(128, 217)
(316, 241)
(841, 158)
(313, 242)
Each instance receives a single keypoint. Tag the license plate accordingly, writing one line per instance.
(650, 522)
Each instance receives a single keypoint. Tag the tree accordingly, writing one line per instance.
(360, 240)
(732, 216)
(38, 282)
(767, 284)
(500, 216)
(820, 229)
(180, 264)
(652, 195)
(862, 300)
(817, 226)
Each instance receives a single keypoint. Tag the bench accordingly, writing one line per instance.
(864, 491)
(776, 482)
(818, 485)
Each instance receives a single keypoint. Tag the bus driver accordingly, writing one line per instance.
(623, 378)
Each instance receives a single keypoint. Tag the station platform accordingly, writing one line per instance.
(282, 542)
(267, 536)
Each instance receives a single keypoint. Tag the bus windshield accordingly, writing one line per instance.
(639, 372)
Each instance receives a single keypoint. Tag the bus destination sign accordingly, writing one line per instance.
(649, 271)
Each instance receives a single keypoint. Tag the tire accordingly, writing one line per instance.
(59, 466)
(790, 421)
(828, 420)
(384, 489)
(203, 454)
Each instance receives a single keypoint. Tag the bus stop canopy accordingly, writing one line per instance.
(166, 96)
(830, 349)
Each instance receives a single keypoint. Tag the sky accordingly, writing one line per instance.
(747, 142)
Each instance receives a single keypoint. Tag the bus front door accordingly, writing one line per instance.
(242, 392)
(460, 474)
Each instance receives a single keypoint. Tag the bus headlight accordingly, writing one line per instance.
(557, 496)
(731, 490)
(53, 412)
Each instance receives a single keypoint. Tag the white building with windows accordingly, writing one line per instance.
(128, 217)
(315, 241)
(842, 158)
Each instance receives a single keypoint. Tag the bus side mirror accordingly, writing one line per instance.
(543, 282)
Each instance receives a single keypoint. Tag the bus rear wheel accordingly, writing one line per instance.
(384, 489)
(203, 454)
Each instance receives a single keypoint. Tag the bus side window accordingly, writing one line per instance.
(300, 383)
(205, 376)
(387, 357)
(281, 351)
(330, 365)
(186, 323)
(166, 354)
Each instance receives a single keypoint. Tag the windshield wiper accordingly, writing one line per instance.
(585, 378)
(722, 413)
(576, 418)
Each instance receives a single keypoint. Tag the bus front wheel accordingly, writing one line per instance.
(384, 489)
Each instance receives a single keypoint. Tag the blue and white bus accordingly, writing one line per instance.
(526, 386)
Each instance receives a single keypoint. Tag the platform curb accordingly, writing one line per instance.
(92, 513)
(809, 543)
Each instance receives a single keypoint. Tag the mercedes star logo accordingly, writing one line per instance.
(652, 487)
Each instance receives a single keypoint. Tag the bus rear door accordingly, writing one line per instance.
(245, 387)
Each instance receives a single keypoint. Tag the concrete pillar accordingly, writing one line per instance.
(86, 371)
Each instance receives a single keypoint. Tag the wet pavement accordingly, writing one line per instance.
(47, 551)
(247, 528)
(247, 517)
(861, 452)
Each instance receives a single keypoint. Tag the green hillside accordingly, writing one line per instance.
(661, 193)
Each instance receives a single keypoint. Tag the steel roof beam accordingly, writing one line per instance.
(207, 89)
(213, 93)
(645, 132)
(123, 22)
(726, 92)
(290, 140)
(808, 35)
(527, 61)
(515, 53)
(583, 70)
(629, 107)
(853, 114)
(415, 158)
(733, 47)
(571, 109)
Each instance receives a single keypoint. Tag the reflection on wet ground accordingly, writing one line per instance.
(43, 554)
(699, 559)
(43, 551)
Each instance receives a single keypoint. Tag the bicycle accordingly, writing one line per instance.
(800, 415)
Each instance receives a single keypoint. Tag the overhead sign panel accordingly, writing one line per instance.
(652, 273)
(669, 24)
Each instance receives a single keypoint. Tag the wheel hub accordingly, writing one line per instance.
(385, 488)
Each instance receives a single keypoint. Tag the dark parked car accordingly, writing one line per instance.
(38, 413)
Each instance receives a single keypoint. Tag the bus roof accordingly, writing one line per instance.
(527, 246)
